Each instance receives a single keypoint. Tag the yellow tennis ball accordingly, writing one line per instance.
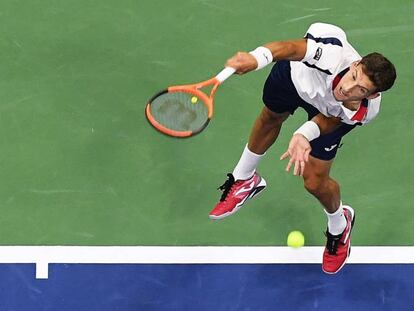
(194, 99)
(295, 239)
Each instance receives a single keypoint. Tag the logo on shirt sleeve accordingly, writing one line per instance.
(318, 54)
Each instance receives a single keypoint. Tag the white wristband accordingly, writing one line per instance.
(263, 56)
(309, 129)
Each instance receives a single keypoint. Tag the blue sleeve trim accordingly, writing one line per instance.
(328, 40)
(316, 67)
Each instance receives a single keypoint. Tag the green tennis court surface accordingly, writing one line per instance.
(81, 166)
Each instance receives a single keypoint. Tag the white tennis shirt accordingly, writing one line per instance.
(328, 56)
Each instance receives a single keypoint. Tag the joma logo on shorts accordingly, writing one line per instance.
(330, 148)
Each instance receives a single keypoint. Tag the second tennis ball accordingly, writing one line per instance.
(194, 99)
(295, 239)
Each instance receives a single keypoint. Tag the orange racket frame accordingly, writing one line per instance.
(193, 89)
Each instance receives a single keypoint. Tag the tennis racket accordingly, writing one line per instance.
(184, 110)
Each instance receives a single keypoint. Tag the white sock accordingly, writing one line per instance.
(247, 164)
(336, 221)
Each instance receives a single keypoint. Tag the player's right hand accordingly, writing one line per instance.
(243, 62)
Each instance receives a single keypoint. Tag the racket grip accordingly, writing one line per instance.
(225, 74)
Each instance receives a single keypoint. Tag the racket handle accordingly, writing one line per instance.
(225, 74)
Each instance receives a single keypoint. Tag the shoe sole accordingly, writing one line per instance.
(349, 249)
(256, 191)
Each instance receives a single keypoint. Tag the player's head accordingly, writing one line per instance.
(366, 78)
(380, 71)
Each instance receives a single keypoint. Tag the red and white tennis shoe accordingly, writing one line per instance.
(338, 247)
(235, 194)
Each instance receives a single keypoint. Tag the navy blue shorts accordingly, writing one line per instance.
(280, 95)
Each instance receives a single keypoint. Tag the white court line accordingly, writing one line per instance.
(42, 256)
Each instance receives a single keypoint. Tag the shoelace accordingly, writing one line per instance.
(332, 243)
(226, 187)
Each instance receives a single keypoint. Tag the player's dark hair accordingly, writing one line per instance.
(379, 70)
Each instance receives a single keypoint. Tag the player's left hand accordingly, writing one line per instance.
(298, 151)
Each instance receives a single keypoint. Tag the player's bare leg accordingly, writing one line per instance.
(266, 130)
(245, 183)
(340, 217)
(318, 182)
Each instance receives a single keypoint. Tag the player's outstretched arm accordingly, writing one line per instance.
(243, 62)
(294, 50)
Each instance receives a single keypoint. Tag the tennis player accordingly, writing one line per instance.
(340, 90)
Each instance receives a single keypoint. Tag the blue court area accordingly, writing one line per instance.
(206, 287)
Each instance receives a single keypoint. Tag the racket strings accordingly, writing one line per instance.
(179, 111)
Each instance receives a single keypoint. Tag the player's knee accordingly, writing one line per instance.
(314, 185)
(269, 117)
